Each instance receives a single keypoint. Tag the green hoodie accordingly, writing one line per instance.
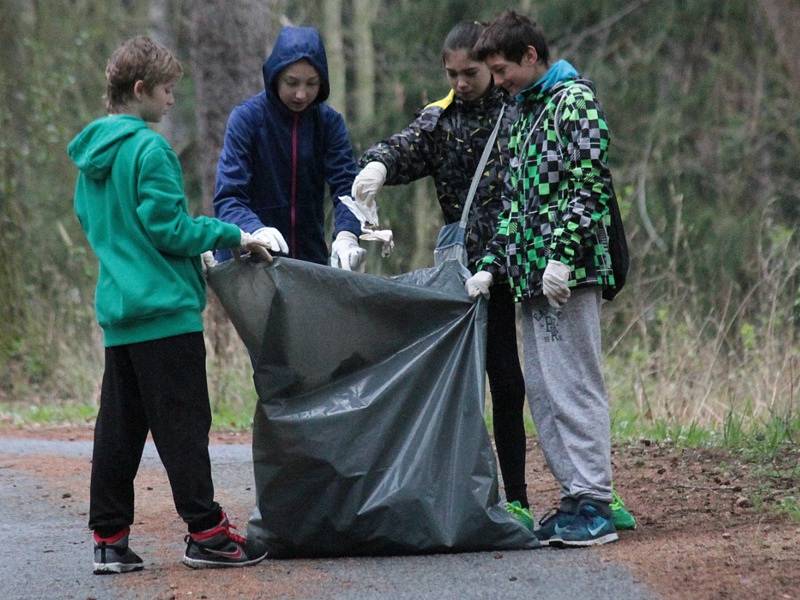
(129, 199)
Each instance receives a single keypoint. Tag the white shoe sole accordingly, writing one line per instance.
(111, 568)
(604, 539)
(199, 563)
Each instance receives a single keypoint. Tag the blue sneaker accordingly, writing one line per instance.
(554, 520)
(592, 525)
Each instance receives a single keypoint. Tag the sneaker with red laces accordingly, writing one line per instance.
(112, 554)
(218, 547)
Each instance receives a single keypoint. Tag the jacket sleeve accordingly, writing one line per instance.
(232, 201)
(162, 210)
(410, 154)
(494, 259)
(340, 170)
(585, 133)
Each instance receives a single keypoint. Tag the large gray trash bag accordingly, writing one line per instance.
(369, 435)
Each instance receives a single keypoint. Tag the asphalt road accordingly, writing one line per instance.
(47, 552)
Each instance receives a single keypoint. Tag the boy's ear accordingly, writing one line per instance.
(138, 89)
(531, 56)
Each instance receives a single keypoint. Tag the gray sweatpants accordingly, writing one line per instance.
(564, 383)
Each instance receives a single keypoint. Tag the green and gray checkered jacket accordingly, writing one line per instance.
(557, 193)
(446, 141)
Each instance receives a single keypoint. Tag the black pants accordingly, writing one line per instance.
(508, 392)
(159, 386)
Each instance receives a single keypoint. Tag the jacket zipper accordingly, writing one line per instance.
(292, 234)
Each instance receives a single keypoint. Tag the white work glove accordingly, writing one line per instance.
(272, 238)
(366, 184)
(253, 245)
(478, 285)
(208, 260)
(368, 233)
(346, 253)
(554, 283)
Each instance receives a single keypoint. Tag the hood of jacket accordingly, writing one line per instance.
(95, 148)
(559, 72)
(293, 44)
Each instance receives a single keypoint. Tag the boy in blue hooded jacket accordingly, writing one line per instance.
(281, 147)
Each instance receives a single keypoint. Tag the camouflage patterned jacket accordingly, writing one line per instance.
(557, 193)
(446, 141)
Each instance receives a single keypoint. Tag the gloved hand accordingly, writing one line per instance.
(272, 238)
(208, 260)
(478, 285)
(554, 283)
(366, 184)
(346, 253)
(257, 247)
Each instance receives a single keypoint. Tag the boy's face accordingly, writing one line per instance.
(298, 85)
(469, 78)
(154, 105)
(515, 77)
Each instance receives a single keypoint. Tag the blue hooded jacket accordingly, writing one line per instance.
(275, 162)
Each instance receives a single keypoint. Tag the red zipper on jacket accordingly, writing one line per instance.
(292, 235)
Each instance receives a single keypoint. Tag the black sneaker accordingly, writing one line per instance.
(112, 554)
(218, 547)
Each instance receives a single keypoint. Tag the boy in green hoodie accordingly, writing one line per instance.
(149, 300)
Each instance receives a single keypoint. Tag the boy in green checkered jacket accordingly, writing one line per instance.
(551, 247)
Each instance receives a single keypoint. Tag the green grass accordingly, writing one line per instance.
(791, 506)
(47, 414)
(224, 417)
(227, 417)
(759, 439)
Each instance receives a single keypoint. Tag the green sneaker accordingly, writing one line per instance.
(523, 515)
(622, 518)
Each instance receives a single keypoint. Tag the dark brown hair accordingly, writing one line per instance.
(510, 34)
(138, 58)
(463, 37)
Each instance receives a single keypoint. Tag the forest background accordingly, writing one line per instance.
(701, 97)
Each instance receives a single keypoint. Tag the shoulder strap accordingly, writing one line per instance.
(487, 150)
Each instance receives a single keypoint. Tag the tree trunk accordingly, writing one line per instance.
(228, 43)
(161, 19)
(526, 8)
(334, 48)
(783, 17)
(426, 220)
(228, 47)
(13, 124)
(364, 15)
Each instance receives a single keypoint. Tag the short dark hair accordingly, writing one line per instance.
(135, 59)
(510, 34)
(463, 36)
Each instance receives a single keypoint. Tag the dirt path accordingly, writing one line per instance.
(699, 535)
